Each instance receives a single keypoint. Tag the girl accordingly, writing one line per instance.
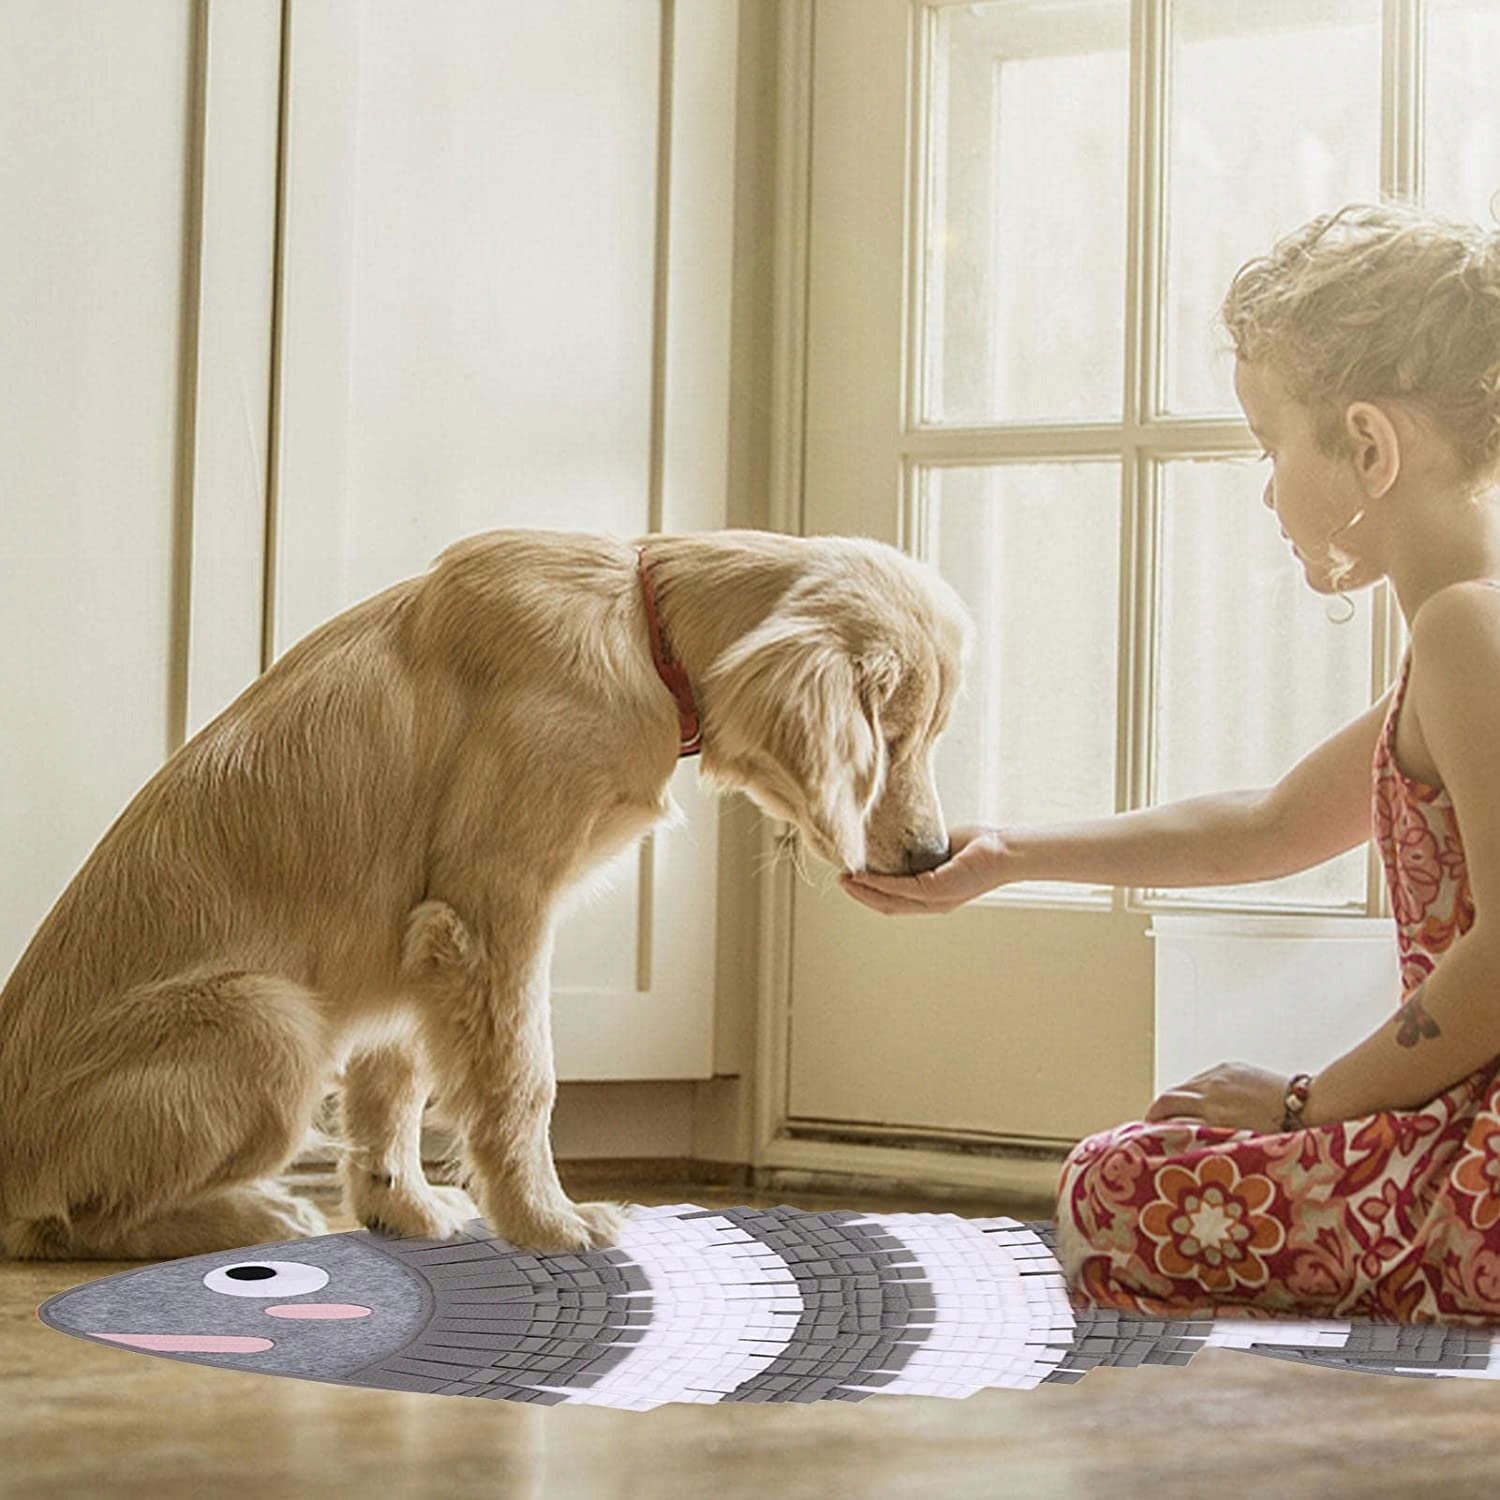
(1368, 365)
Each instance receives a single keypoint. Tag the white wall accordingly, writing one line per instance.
(504, 290)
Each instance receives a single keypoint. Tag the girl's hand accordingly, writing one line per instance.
(1235, 1095)
(977, 862)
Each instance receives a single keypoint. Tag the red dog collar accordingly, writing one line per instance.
(669, 669)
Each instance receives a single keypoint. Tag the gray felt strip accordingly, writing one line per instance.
(865, 1304)
(505, 1321)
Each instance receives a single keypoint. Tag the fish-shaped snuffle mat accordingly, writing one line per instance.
(694, 1305)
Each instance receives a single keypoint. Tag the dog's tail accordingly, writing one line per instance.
(47, 1238)
(36, 1230)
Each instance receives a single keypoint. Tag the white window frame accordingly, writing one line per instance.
(1147, 434)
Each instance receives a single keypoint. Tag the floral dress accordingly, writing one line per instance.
(1394, 1217)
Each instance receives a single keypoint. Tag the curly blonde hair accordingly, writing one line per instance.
(1381, 300)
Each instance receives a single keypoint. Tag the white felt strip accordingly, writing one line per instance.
(1240, 1333)
(996, 1320)
(722, 1308)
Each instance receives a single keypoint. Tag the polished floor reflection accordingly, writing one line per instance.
(78, 1420)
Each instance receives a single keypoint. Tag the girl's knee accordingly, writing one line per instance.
(1106, 1156)
(1089, 1152)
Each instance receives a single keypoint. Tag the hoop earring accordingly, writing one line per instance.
(1353, 520)
(1343, 598)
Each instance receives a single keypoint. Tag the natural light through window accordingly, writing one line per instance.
(1097, 503)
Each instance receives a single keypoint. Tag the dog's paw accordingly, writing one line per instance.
(456, 1204)
(606, 1222)
(307, 1220)
(579, 1226)
(288, 1216)
(411, 1211)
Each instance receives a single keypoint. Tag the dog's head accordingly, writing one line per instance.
(827, 713)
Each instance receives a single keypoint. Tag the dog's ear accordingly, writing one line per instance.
(789, 694)
(876, 676)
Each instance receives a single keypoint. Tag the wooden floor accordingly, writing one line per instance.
(80, 1420)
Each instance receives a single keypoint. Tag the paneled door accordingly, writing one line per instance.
(505, 304)
(294, 295)
(1016, 234)
(136, 276)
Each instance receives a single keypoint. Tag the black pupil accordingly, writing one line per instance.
(249, 1273)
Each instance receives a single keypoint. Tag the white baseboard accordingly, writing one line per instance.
(1024, 1173)
(593, 1121)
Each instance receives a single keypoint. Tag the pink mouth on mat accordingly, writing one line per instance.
(190, 1343)
(235, 1343)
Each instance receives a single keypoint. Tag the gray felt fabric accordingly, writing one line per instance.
(847, 1309)
(172, 1298)
(504, 1320)
(864, 1304)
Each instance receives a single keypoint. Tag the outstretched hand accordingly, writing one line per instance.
(1238, 1096)
(974, 866)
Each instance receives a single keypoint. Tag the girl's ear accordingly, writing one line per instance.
(1377, 447)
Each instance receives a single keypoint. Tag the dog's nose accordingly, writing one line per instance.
(921, 857)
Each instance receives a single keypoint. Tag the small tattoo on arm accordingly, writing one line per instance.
(1416, 1024)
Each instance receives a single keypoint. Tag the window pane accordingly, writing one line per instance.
(1275, 117)
(1252, 674)
(1462, 155)
(1025, 285)
(1033, 549)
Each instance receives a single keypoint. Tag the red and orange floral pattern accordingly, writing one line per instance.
(1393, 1217)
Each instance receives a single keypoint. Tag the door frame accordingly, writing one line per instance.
(783, 1150)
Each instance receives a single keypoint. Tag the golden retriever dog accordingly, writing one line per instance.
(352, 875)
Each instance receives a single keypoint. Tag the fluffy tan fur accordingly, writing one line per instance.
(352, 876)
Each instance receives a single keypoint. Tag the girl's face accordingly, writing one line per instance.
(1313, 493)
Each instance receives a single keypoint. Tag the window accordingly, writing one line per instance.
(1088, 176)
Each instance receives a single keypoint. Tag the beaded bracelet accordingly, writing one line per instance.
(1295, 1101)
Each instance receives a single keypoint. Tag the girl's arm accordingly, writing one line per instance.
(1320, 808)
(1450, 1027)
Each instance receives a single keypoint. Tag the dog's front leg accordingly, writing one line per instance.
(483, 1009)
(385, 1090)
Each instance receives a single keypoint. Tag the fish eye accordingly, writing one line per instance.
(265, 1278)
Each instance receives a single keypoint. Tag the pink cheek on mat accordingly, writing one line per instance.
(318, 1310)
(190, 1343)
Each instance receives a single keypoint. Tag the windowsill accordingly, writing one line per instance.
(1273, 925)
